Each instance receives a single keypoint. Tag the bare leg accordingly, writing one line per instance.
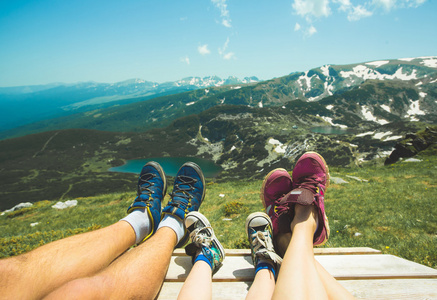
(263, 285)
(333, 288)
(198, 284)
(37, 273)
(139, 273)
(298, 277)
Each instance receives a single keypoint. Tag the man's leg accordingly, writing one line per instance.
(42, 270)
(34, 274)
(138, 274)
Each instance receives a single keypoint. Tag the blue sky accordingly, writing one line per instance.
(45, 41)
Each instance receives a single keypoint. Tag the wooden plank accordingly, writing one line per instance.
(411, 289)
(317, 251)
(366, 266)
(346, 267)
(235, 268)
(361, 289)
(220, 290)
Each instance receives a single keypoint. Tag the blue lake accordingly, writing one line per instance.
(170, 165)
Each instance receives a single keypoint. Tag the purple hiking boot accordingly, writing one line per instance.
(275, 185)
(310, 180)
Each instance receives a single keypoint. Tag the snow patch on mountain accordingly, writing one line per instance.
(365, 133)
(430, 61)
(393, 138)
(368, 73)
(279, 147)
(378, 63)
(329, 120)
(414, 109)
(386, 136)
(407, 59)
(386, 107)
(368, 115)
(325, 70)
(381, 135)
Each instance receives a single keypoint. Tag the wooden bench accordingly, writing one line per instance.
(365, 272)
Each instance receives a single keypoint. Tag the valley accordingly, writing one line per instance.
(247, 129)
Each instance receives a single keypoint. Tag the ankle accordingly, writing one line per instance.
(304, 216)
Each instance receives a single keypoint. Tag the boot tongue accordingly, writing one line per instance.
(300, 196)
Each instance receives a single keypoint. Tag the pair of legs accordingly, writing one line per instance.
(295, 206)
(97, 265)
(301, 276)
(89, 266)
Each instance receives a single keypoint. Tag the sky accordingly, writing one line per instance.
(47, 41)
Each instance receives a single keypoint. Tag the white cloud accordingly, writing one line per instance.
(309, 8)
(312, 30)
(297, 27)
(344, 4)
(358, 12)
(224, 12)
(185, 60)
(223, 53)
(229, 56)
(203, 49)
(394, 4)
(386, 4)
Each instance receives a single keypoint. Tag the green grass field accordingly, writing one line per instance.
(392, 211)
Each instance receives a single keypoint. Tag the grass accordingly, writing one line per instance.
(393, 211)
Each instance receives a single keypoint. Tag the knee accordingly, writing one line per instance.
(9, 277)
(78, 289)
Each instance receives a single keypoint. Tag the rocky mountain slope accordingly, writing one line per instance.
(246, 129)
(405, 90)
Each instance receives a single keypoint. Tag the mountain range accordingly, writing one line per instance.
(35, 103)
(246, 128)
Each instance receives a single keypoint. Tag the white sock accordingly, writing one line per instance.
(141, 224)
(174, 223)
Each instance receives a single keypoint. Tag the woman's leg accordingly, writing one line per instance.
(299, 278)
(198, 284)
(333, 288)
(207, 254)
(263, 285)
(264, 257)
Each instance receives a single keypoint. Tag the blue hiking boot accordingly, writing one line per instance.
(188, 193)
(152, 186)
(203, 241)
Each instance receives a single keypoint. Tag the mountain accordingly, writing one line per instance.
(29, 104)
(247, 129)
(383, 81)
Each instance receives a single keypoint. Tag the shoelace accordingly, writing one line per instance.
(310, 183)
(181, 191)
(263, 246)
(200, 238)
(145, 185)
